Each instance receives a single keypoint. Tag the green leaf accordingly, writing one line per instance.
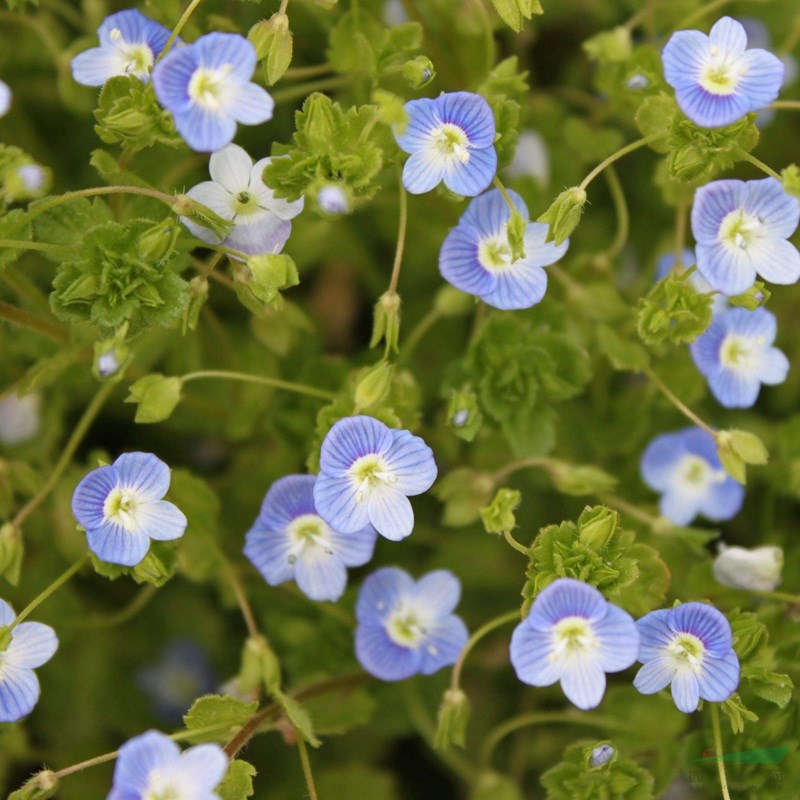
(217, 718)
(156, 568)
(771, 686)
(623, 354)
(654, 119)
(69, 223)
(737, 713)
(515, 12)
(238, 781)
(298, 716)
(745, 444)
(156, 397)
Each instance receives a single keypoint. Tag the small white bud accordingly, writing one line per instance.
(756, 570)
(19, 418)
(602, 754)
(333, 200)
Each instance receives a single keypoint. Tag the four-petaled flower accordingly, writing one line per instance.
(206, 87)
(5, 98)
(130, 43)
(736, 356)
(477, 257)
(23, 649)
(741, 228)
(121, 507)
(152, 767)
(407, 627)
(716, 79)
(367, 473)
(290, 541)
(450, 139)
(237, 192)
(691, 647)
(685, 468)
(574, 636)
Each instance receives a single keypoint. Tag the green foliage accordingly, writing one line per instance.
(273, 42)
(515, 12)
(576, 779)
(504, 90)
(452, 720)
(520, 372)
(464, 493)
(601, 553)
(156, 568)
(217, 718)
(673, 311)
(238, 781)
(564, 214)
(261, 280)
(156, 397)
(498, 517)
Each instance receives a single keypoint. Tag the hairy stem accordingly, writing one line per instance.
(623, 151)
(275, 383)
(484, 630)
(723, 778)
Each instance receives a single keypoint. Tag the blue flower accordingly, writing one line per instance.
(181, 675)
(290, 541)
(31, 645)
(666, 263)
(206, 87)
(120, 507)
(476, 256)
(450, 139)
(5, 99)
(741, 228)
(691, 647)
(367, 473)
(736, 356)
(574, 636)
(130, 43)
(716, 80)
(407, 627)
(152, 766)
(237, 192)
(685, 468)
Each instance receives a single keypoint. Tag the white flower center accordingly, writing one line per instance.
(207, 86)
(687, 650)
(740, 353)
(451, 140)
(406, 627)
(244, 204)
(572, 636)
(120, 507)
(739, 229)
(721, 73)
(369, 472)
(161, 787)
(494, 253)
(696, 474)
(135, 59)
(308, 531)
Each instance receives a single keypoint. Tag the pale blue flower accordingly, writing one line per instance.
(152, 767)
(237, 192)
(667, 262)
(291, 541)
(741, 229)
(407, 628)
(716, 79)
(130, 43)
(691, 648)
(476, 256)
(531, 158)
(5, 99)
(736, 356)
(32, 644)
(574, 636)
(206, 87)
(333, 200)
(121, 508)
(367, 473)
(685, 468)
(450, 139)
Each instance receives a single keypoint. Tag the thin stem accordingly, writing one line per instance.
(45, 247)
(757, 162)
(520, 548)
(723, 778)
(306, 763)
(43, 595)
(91, 762)
(275, 383)
(623, 217)
(179, 27)
(623, 151)
(283, 6)
(307, 72)
(85, 422)
(792, 104)
(401, 236)
(24, 319)
(509, 202)
(488, 33)
(785, 597)
(417, 334)
(142, 598)
(496, 735)
(484, 630)
(679, 404)
(523, 463)
(302, 89)
(628, 508)
(242, 601)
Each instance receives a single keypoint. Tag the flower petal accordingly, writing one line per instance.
(7, 615)
(719, 677)
(763, 77)
(381, 592)
(684, 57)
(250, 104)
(679, 507)
(459, 264)
(706, 623)
(381, 657)
(411, 463)
(583, 682)
(202, 767)
(437, 593)
(320, 574)
(390, 512)
(32, 645)
(729, 36)
(144, 473)
(89, 497)
(161, 520)
(424, 170)
(355, 549)
(279, 206)
(444, 641)
(776, 260)
(289, 497)
(723, 501)
(619, 639)
(488, 213)
(727, 271)
(351, 438)
(95, 66)
(655, 634)
(522, 285)
(473, 177)
(685, 690)
(655, 675)
(115, 545)
(335, 501)
(423, 117)
(139, 756)
(566, 597)
(778, 212)
(712, 203)
(265, 235)
(530, 656)
(19, 691)
(230, 168)
(204, 130)
(772, 367)
(269, 552)
(230, 51)
(471, 113)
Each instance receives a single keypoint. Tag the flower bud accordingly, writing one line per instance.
(464, 416)
(156, 396)
(452, 721)
(597, 526)
(790, 178)
(268, 275)
(157, 243)
(11, 552)
(451, 302)
(602, 754)
(26, 182)
(198, 294)
(373, 386)
(386, 321)
(419, 72)
(498, 517)
(185, 206)
(580, 479)
(333, 199)
(272, 40)
(260, 666)
(564, 214)
(757, 569)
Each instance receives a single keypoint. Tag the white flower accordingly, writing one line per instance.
(757, 570)
(237, 192)
(5, 99)
(19, 418)
(33, 177)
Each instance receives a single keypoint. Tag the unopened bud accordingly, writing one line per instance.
(452, 721)
(419, 72)
(185, 207)
(564, 214)
(333, 199)
(602, 754)
(374, 386)
(386, 321)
